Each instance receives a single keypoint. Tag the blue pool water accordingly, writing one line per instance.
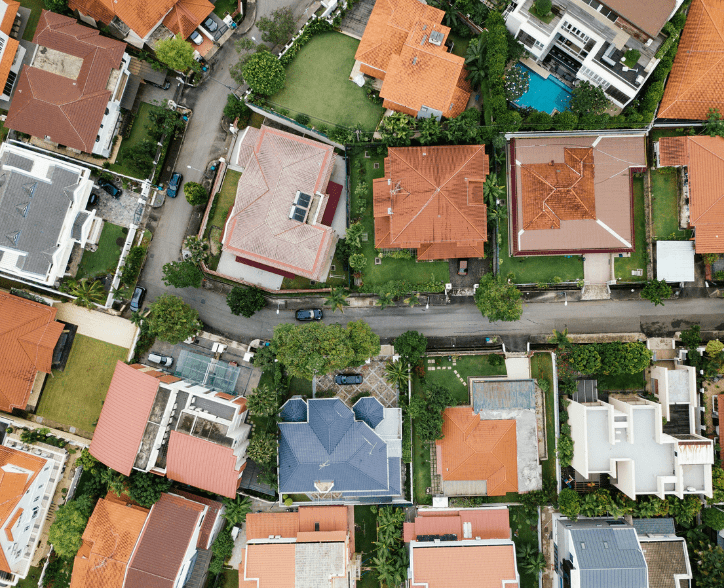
(544, 94)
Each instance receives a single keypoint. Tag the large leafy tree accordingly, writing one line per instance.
(411, 347)
(183, 274)
(498, 300)
(426, 409)
(66, 532)
(363, 342)
(196, 194)
(245, 300)
(656, 291)
(588, 99)
(172, 320)
(585, 359)
(177, 54)
(279, 28)
(622, 358)
(263, 401)
(146, 488)
(264, 73)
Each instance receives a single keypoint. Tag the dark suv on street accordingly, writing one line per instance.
(310, 314)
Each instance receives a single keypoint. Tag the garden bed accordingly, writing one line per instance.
(105, 259)
(138, 133)
(318, 85)
(223, 201)
(541, 368)
(365, 534)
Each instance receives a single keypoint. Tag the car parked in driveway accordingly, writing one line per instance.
(137, 299)
(112, 189)
(347, 379)
(196, 38)
(310, 314)
(163, 360)
(174, 185)
(92, 200)
(210, 24)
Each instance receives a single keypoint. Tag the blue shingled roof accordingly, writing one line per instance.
(659, 526)
(333, 446)
(609, 558)
(369, 410)
(294, 411)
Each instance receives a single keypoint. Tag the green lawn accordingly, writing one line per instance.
(36, 7)
(105, 259)
(3, 129)
(638, 260)
(336, 277)
(622, 382)
(541, 368)
(31, 581)
(224, 201)
(524, 530)
(138, 133)
(365, 534)
(75, 396)
(421, 469)
(363, 170)
(299, 386)
(665, 204)
(461, 44)
(467, 366)
(318, 85)
(230, 580)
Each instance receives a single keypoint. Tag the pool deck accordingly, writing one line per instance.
(541, 71)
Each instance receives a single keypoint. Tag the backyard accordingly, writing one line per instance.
(318, 85)
(75, 396)
(541, 368)
(523, 524)
(104, 259)
(31, 581)
(36, 7)
(362, 169)
(665, 204)
(138, 133)
(337, 277)
(639, 259)
(365, 534)
(221, 7)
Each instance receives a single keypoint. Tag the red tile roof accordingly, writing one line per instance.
(202, 464)
(648, 15)
(704, 157)
(472, 566)
(123, 418)
(263, 524)
(431, 199)
(395, 47)
(276, 166)
(475, 449)
(28, 336)
(270, 566)
(164, 542)
(695, 82)
(214, 506)
(488, 523)
(329, 518)
(11, 45)
(68, 110)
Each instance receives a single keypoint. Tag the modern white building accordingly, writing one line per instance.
(29, 475)
(42, 214)
(588, 39)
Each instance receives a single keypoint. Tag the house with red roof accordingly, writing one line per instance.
(127, 546)
(11, 51)
(311, 547)
(71, 92)
(465, 548)
(27, 484)
(155, 422)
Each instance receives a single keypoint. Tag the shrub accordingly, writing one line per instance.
(236, 108)
(543, 7)
(713, 517)
(569, 503)
(196, 194)
(264, 73)
(631, 57)
(302, 119)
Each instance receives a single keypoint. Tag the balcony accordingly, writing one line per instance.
(609, 57)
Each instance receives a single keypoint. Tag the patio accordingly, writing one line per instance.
(373, 382)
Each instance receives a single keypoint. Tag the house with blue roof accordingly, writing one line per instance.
(334, 453)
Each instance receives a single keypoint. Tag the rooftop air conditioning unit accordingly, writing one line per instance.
(436, 38)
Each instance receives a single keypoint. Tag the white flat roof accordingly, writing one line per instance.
(675, 261)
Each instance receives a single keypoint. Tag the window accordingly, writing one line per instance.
(594, 77)
(567, 26)
(36, 499)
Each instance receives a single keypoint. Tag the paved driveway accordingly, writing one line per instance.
(373, 381)
(98, 325)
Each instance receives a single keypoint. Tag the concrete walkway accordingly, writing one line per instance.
(98, 325)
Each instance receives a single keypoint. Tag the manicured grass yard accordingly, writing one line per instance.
(460, 46)
(298, 282)
(138, 133)
(638, 259)
(363, 170)
(75, 396)
(665, 204)
(36, 7)
(541, 368)
(421, 469)
(105, 259)
(31, 581)
(365, 534)
(318, 85)
(299, 386)
(224, 201)
(622, 382)
(223, 6)
(467, 366)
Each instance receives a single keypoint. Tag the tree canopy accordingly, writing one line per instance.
(177, 54)
(245, 300)
(263, 401)
(588, 99)
(146, 488)
(183, 274)
(66, 532)
(263, 448)
(426, 408)
(497, 299)
(411, 347)
(196, 194)
(264, 74)
(172, 320)
(656, 291)
(279, 28)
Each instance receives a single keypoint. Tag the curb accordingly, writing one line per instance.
(243, 31)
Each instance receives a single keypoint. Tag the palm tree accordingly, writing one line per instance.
(385, 299)
(492, 191)
(236, 510)
(476, 74)
(87, 293)
(413, 300)
(114, 481)
(534, 564)
(560, 339)
(337, 299)
(397, 373)
(497, 213)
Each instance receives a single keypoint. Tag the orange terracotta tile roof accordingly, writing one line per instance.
(28, 335)
(68, 110)
(276, 166)
(695, 82)
(395, 47)
(123, 418)
(11, 11)
(202, 464)
(431, 199)
(488, 523)
(475, 449)
(11, 524)
(559, 191)
(329, 518)
(704, 157)
(273, 565)
(186, 15)
(263, 524)
(471, 566)
(11, 45)
(321, 536)
(109, 540)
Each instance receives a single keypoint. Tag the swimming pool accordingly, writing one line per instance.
(544, 94)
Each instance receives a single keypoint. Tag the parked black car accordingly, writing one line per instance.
(310, 314)
(92, 199)
(347, 379)
(210, 24)
(137, 300)
(165, 86)
(110, 188)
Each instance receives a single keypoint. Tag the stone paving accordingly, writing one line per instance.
(123, 210)
(373, 381)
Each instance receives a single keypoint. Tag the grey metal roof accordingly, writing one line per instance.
(80, 219)
(131, 91)
(658, 526)
(333, 446)
(609, 558)
(15, 160)
(369, 410)
(32, 211)
(502, 394)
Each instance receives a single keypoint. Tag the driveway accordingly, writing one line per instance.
(98, 325)
(123, 211)
(373, 382)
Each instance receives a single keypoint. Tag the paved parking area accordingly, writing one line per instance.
(123, 210)
(373, 381)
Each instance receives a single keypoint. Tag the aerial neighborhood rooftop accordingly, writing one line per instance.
(361, 294)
